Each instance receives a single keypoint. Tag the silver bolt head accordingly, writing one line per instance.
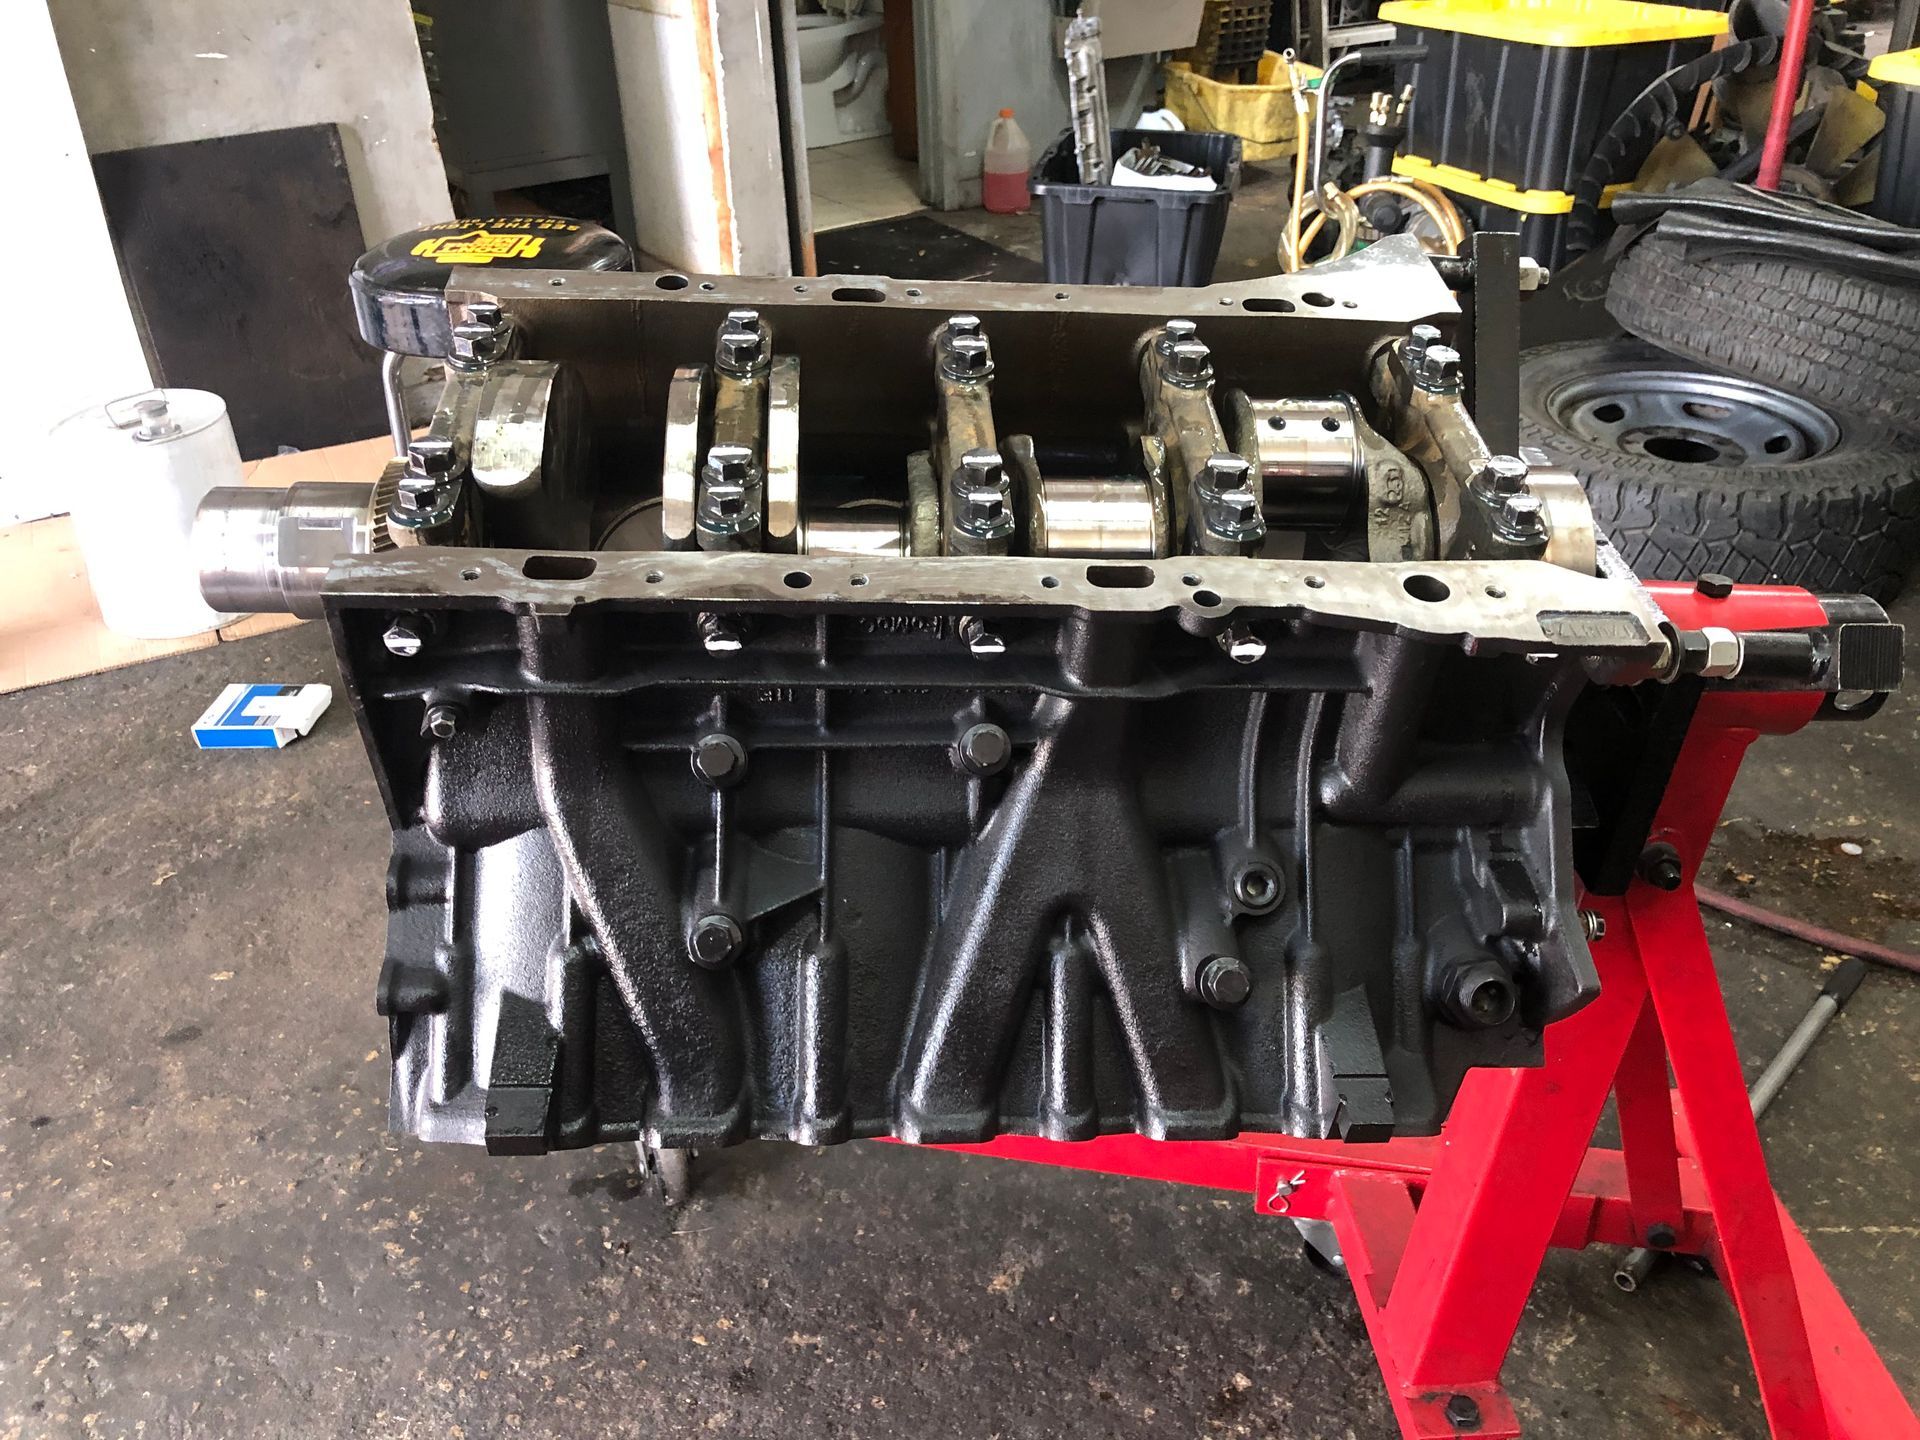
(982, 507)
(1175, 332)
(981, 466)
(1188, 362)
(742, 345)
(485, 312)
(402, 639)
(962, 324)
(726, 499)
(1504, 475)
(1242, 645)
(729, 465)
(430, 456)
(1593, 924)
(1224, 472)
(1522, 513)
(443, 721)
(1533, 275)
(966, 357)
(1438, 368)
(476, 344)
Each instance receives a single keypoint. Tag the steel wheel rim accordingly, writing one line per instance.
(1691, 417)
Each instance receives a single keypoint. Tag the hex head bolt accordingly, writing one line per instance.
(729, 493)
(714, 941)
(1503, 475)
(1415, 345)
(1187, 363)
(742, 348)
(428, 473)
(966, 356)
(1226, 502)
(719, 760)
(984, 749)
(1462, 1412)
(480, 339)
(1438, 370)
(442, 722)
(1224, 982)
(1660, 866)
(983, 507)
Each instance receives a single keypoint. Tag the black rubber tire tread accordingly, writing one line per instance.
(1846, 521)
(1849, 342)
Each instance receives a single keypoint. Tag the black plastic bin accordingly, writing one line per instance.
(1120, 235)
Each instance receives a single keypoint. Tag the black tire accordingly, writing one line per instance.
(1682, 500)
(1844, 340)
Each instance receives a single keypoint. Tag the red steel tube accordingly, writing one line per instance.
(1786, 92)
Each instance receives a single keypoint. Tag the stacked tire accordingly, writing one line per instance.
(1763, 422)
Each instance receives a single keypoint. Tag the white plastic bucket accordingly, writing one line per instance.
(136, 469)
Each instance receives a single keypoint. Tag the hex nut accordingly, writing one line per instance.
(1726, 652)
(1714, 587)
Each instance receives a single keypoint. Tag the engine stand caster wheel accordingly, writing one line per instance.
(1321, 1246)
(669, 1172)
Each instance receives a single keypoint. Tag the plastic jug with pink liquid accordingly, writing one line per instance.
(1003, 173)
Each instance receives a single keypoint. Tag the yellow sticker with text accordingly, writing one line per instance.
(479, 247)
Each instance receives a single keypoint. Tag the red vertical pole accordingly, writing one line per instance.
(1786, 93)
(1646, 1129)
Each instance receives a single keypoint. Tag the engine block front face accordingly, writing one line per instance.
(851, 707)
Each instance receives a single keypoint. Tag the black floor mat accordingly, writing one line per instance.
(918, 247)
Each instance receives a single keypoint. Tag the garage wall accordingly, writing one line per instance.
(75, 341)
(154, 72)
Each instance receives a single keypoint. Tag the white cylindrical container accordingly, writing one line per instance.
(136, 470)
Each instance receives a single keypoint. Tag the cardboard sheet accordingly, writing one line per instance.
(50, 628)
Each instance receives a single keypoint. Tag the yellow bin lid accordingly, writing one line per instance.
(1562, 24)
(1896, 67)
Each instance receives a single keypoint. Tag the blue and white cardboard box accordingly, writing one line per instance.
(261, 717)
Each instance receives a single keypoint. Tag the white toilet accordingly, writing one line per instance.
(843, 73)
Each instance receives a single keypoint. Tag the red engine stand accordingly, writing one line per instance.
(1442, 1286)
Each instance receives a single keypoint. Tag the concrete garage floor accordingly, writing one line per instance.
(207, 1231)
